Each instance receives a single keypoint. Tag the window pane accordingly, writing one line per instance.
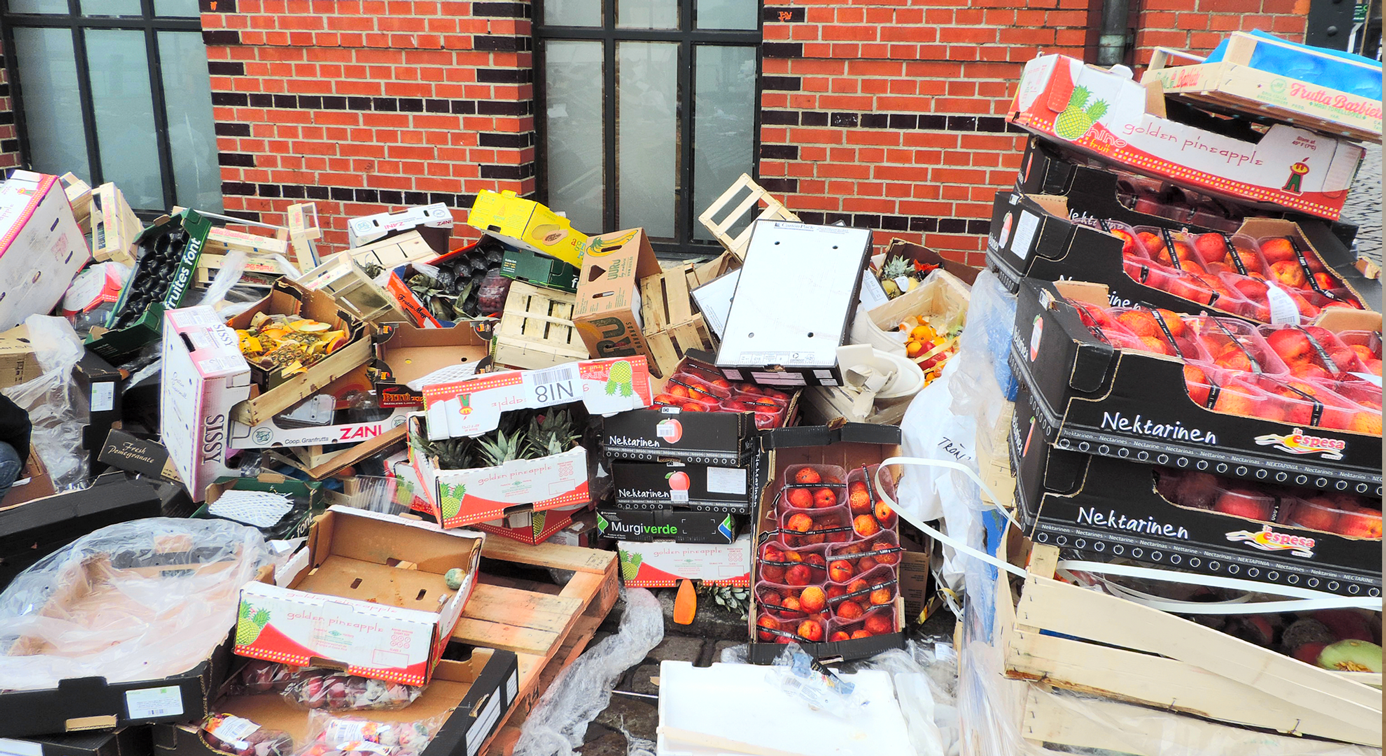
(724, 85)
(647, 135)
(38, 6)
(188, 99)
(111, 8)
(176, 8)
(728, 14)
(572, 12)
(124, 109)
(52, 106)
(647, 14)
(573, 89)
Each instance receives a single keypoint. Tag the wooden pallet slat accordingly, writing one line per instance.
(536, 328)
(774, 210)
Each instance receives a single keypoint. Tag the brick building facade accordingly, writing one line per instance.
(886, 114)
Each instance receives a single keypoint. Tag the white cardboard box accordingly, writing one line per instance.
(204, 376)
(273, 433)
(398, 627)
(370, 228)
(41, 246)
(662, 564)
(794, 304)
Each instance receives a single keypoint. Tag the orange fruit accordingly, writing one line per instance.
(913, 349)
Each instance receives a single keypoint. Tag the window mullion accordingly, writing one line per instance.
(156, 93)
(79, 53)
(683, 211)
(609, 115)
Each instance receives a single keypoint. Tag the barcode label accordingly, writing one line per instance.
(150, 703)
(556, 385)
(553, 375)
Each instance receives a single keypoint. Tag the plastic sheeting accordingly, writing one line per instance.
(140, 600)
(57, 407)
(557, 723)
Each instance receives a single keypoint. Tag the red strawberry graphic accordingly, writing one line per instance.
(678, 481)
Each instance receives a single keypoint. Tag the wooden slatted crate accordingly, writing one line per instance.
(672, 326)
(536, 328)
(756, 195)
(547, 626)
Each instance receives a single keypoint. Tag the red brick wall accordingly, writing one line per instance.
(9, 141)
(884, 113)
(365, 106)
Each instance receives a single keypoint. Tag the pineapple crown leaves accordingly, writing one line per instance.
(1097, 110)
(895, 267)
(553, 434)
(261, 618)
(1079, 98)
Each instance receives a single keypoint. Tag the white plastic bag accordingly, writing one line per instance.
(931, 430)
(57, 407)
(557, 723)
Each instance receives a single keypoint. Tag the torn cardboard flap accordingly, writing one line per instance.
(408, 358)
(474, 406)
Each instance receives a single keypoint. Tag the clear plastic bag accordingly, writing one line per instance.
(258, 677)
(57, 407)
(242, 737)
(140, 600)
(926, 681)
(338, 691)
(333, 735)
(556, 724)
(799, 675)
(990, 323)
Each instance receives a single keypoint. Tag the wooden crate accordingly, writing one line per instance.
(340, 276)
(547, 626)
(774, 210)
(672, 327)
(1062, 635)
(113, 224)
(536, 328)
(1232, 85)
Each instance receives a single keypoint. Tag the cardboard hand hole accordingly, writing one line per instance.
(422, 591)
(596, 272)
(356, 584)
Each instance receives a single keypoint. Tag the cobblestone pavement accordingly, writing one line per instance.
(634, 705)
(1364, 205)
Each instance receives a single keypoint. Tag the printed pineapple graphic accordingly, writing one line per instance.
(536, 523)
(248, 625)
(452, 501)
(1078, 117)
(630, 565)
(621, 378)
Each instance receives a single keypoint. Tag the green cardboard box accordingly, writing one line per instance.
(113, 343)
(308, 498)
(539, 269)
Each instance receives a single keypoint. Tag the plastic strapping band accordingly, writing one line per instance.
(1160, 319)
(1323, 353)
(1232, 253)
(1317, 412)
(1255, 366)
(1310, 598)
(1169, 246)
(1308, 271)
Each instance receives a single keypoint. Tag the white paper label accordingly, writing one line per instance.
(20, 748)
(872, 295)
(1024, 234)
(477, 732)
(512, 687)
(678, 496)
(149, 703)
(1282, 307)
(235, 730)
(102, 396)
(1371, 377)
(726, 480)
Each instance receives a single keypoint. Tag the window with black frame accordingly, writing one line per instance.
(116, 90)
(647, 111)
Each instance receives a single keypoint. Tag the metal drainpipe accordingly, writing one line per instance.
(1111, 45)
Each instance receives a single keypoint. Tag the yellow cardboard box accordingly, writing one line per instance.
(527, 224)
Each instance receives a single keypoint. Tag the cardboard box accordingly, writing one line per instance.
(33, 483)
(114, 225)
(18, 362)
(540, 270)
(308, 498)
(1092, 398)
(1110, 508)
(607, 310)
(32, 527)
(111, 342)
(1234, 83)
(127, 741)
(662, 564)
(581, 532)
(677, 525)
(919, 253)
(531, 528)
(1044, 237)
(779, 335)
(914, 582)
(204, 378)
(472, 407)
(700, 487)
(272, 392)
(41, 246)
(342, 412)
(432, 222)
(473, 695)
(103, 387)
(720, 438)
(1284, 167)
(125, 451)
(848, 446)
(391, 253)
(407, 358)
(528, 225)
(366, 595)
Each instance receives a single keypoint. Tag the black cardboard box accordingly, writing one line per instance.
(680, 526)
(474, 694)
(848, 446)
(128, 741)
(102, 385)
(692, 437)
(36, 528)
(1109, 508)
(700, 487)
(126, 451)
(1092, 398)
